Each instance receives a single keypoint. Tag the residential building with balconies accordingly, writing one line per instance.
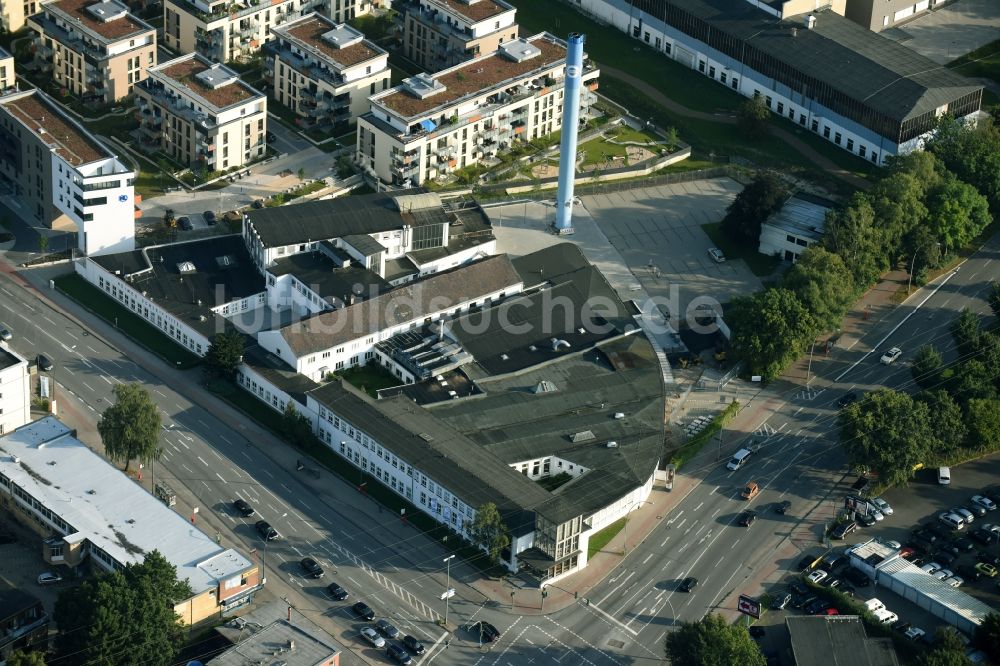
(24, 624)
(63, 176)
(324, 71)
(438, 34)
(13, 13)
(431, 125)
(225, 30)
(8, 81)
(200, 113)
(94, 49)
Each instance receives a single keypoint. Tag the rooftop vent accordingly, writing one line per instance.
(612, 445)
(558, 344)
(519, 50)
(216, 76)
(619, 416)
(584, 436)
(424, 436)
(225, 261)
(810, 22)
(106, 11)
(545, 386)
(423, 85)
(342, 36)
(185, 267)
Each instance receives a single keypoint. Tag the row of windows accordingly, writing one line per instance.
(165, 324)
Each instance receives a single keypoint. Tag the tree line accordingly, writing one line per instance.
(955, 415)
(924, 208)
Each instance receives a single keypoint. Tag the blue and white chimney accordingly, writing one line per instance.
(570, 123)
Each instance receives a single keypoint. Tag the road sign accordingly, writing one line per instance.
(749, 606)
(448, 594)
(856, 504)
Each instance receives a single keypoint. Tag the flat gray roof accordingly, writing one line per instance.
(105, 507)
(837, 640)
(802, 217)
(8, 358)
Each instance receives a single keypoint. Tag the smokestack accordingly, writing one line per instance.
(570, 123)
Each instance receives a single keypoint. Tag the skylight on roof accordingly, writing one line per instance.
(185, 267)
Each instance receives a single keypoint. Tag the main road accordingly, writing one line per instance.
(215, 457)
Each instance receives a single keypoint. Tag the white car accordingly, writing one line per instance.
(875, 513)
(890, 356)
(984, 502)
(716, 255)
(49, 578)
(373, 637)
(954, 581)
(931, 567)
(5, 335)
(914, 633)
(817, 576)
(882, 505)
(943, 573)
(893, 544)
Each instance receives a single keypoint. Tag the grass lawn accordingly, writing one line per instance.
(125, 320)
(760, 264)
(369, 378)
(117, 125)
(601, 539)
(626, 133)
(597, 151)
(984, 62)
(550, 483)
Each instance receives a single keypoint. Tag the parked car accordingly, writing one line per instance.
(945, 558)
(184, 222)
(210, 218)
(258, 203)
(847, 399)
(386, 629)
(926, 533)
(966, 515)
(746, 518)
(944, 475)
(857, 576)
(954, 580)
(986, 569)
(243, 508)
(398, 654)
(413, 645)
(964, 544)
(832, 582)
(805, 563)
(798, 588)
(882, 505)
(968, 573)
(952, 520)
(941, 574)
(372, 637)
(979, 500)
(266, 532)
(817, 607)
(817, 576)
(49, 578)
(5, 335)
(931, 567)
(716, 255)
(975, 509)
(914, 633)
(890, 356)
(866, 520)
(311, 567)
(780, 601)
(984, 537)
(901, 625)
(364, 611)
(44, 363)
(337, 592)
(842, 530)
(688, 584)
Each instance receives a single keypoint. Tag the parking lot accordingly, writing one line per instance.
(21, 563)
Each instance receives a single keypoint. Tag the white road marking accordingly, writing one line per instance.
(220, 478)
(202, 461)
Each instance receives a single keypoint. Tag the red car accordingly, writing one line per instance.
(907, 552)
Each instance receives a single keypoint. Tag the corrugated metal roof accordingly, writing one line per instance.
(922, 582)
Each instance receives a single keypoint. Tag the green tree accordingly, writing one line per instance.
(130, 428)
(758, 200)
(993, 298)
(983, 417)
(752, 115)
(302, 173)
(987, 637)
(888, 432)
(898, 202)
(712, 640)
(823, 284)
(947, 421)
(26, 658)
(43, 243)
(973, 380)
(296, 428)
(488, 531)
(957, 213)
(972, 154)
(966, 331)
(122, 618)
(853, 234)
(225, 354)
(770, 329)
(944, 657)
(926, 363)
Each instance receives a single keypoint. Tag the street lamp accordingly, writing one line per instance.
(447, 589)
(630, 509)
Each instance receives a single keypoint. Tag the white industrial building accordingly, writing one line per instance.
(798, 224)
(862, 92)
(15, 390)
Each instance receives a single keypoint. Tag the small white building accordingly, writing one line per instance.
(797, 225)
(15, 390)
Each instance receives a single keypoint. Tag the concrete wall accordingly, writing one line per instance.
(15, 394)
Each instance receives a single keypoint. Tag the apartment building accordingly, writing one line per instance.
(324, 71)
(63, 177)
(14, 13)
(8, 81)
(90, 513)
(433, 124)
(877, 15)
(438, 34)
(15, 391)
(201, 114)
(24, 624)
(94, 49)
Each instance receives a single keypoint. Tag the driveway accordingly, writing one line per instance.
(952, 31)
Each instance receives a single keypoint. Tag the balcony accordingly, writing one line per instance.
(404, 170)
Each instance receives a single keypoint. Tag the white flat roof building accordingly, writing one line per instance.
(97, 512)
(15, 391)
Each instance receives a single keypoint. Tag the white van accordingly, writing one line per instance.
(885, 616)
(944, 475)
(739, 459)
(874, 605)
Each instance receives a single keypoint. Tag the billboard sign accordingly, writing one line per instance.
(749, 606)
(856, 504)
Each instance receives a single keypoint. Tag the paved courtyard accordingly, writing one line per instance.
(951, 31)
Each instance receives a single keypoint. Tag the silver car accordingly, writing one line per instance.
(964, 513)
(882, 505)
(372, 637)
